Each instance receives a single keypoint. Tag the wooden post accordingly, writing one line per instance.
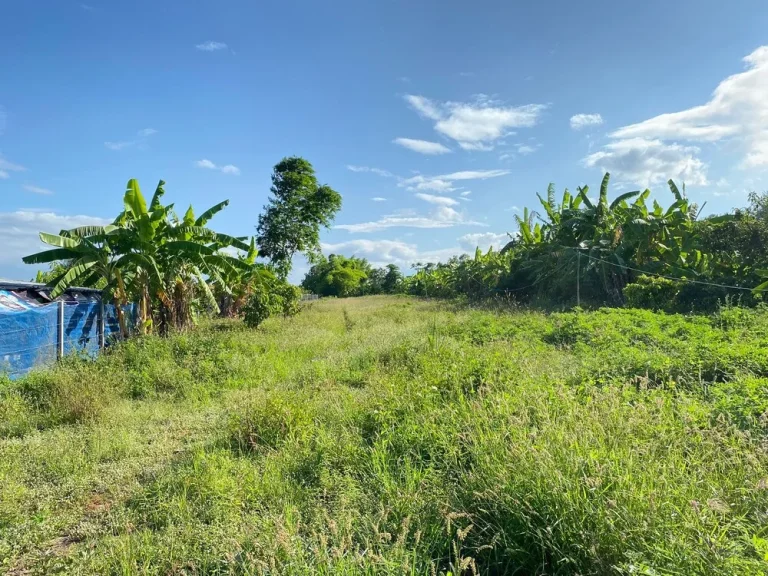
(578, 273)
(60, 341)
(101, 322)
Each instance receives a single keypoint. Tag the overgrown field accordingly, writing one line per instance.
(388, 435)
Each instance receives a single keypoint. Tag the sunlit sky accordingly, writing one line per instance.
(436, 120)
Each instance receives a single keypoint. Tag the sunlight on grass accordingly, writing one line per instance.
(386, 435)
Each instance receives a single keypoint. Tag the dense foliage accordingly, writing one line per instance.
(597, 252)
(291, 221)
(175, 267)
(147, 255)
(341, 276)
(398, 436)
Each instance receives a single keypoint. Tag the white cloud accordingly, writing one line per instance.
(512, 209)
(525, 149)
(6, 166)
(466, 193)
(484, 240)
(205, 163)
(231, 169)
(445, 182)
(579, 121)
(211, 46)
(737, 109)
(478, 124)
(119, 145)
(474, 174)
(424, 106)
(422, 146)
(19, 231)
(37, 190)
(141, 139)
(440, 200)
(647, 162)
(378, 199)
(441, 217)
(427, 183)
(475, 146)
(382, 252)
(228, 169)
(377, 171)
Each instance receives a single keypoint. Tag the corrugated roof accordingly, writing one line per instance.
(18, 285)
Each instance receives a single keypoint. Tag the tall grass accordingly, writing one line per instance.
(393, 436)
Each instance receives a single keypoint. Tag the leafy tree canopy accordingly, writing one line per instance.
(291, 221)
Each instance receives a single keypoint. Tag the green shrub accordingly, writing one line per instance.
(289, 299)
(653, 293)
(258, 307)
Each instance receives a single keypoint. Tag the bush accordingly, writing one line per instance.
(288, 301)
(257, 308)
(653, 293)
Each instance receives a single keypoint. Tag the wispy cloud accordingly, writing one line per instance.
(119, 145)
(439, 183)
(141, 138)
(422, 146)
(579, 121)
(446, 182)
(382, 252)
(441, 217)
(227, 169)
(478, 124)
(38, 190)
(19, 231)
(7, 166)
(378, 199)
(377, 171)
(466, 193)
(484, 240)
(211, 46)
(439, 200)
(525, 149)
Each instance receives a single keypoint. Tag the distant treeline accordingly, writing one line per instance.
(628, 251)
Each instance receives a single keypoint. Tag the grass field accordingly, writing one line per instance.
(395, 436)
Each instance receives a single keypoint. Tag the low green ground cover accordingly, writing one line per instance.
(388, 435)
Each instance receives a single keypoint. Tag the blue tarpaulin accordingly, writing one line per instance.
(29, 332)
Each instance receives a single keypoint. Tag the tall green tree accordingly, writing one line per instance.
(296, 211)
(337, 276)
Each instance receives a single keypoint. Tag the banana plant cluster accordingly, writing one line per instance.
(602, 242)
(149, 256)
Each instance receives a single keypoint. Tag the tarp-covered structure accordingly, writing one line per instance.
(29, 325)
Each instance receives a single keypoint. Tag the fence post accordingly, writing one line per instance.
(60, 341)
(578, 279)
(101, 322)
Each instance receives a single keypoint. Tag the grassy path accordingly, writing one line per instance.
(390, 436)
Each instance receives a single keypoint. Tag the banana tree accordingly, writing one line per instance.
(147, 255)
(90, 260)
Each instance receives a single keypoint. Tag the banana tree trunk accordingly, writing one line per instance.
(120, 301)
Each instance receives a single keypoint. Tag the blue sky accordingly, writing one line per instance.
(436, 120)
